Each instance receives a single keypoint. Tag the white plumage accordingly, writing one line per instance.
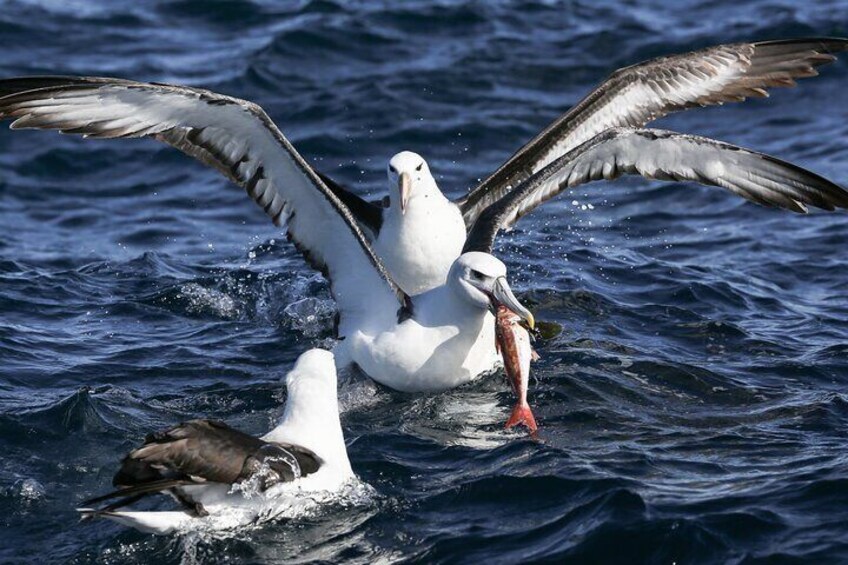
(310, 422)
(377, 258)
(419, 241)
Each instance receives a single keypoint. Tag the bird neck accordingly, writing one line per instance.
(311, 420)
(444, 305)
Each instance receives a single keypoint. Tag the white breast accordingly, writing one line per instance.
(419, 247)
(430, 354)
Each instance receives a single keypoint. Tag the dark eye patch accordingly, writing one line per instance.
(392, 169)
(418, 168)
(477, 275)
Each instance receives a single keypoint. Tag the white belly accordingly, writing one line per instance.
(418, 248)
(231, 507)
(415, 359)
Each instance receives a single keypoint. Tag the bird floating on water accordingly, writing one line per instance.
(421, 232)
(381, 260)
(224, 478)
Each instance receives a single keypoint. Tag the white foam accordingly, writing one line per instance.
(202, 300)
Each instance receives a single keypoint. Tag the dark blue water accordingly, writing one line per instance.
(693, 409)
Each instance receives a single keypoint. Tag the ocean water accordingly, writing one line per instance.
(693, 409)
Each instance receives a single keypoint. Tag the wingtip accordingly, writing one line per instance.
(87, 514)
(829, 195)
(835, 44)
(801, 208)
(829, 44)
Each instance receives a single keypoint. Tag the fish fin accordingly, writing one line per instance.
(521, 414)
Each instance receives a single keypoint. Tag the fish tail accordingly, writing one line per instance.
(521, 414)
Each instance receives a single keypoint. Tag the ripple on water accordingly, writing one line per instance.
(692, 407)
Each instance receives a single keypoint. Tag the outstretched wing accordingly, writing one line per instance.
(636, 95)
(238, 139)
(658, 154)
(368, 214)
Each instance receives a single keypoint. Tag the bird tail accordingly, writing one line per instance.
(151, 522)
(125, 496)
(138, 491)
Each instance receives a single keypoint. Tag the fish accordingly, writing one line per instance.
(512, 341)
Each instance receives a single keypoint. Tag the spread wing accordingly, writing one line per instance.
(636, 95)
(239, 140)
(658, 154)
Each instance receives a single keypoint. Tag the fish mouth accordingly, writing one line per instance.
(405, 189)
(502, 296)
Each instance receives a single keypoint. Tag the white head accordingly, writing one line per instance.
(410, 176)
(480, 278)
(311, 417)
(313, 376)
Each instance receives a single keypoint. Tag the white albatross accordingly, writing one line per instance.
(421, 232)
(444, 337)
(224, 478)
(426, 343)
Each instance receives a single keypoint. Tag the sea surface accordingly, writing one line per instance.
(693, 407)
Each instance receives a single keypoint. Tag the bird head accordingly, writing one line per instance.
(409, 174)
(481, 279)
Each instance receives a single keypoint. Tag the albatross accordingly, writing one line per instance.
(421, 231)
(424, 343)
(444, 336)
(224, 478)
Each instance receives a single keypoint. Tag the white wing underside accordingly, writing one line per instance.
(238, 139)
(717, 76)
(664, 155)
(636, 95)
(658, 154)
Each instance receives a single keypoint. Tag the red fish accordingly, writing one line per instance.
(512, 341)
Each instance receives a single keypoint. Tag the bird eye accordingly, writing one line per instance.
(477, 275)
(418, 168)
(392, 169)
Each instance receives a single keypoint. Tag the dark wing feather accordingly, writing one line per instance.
(663, 155)
(236, 138)
(204, 451)
(368, 214)
(636, 95)
(17, 85)
(198, 450)
(135, 492)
